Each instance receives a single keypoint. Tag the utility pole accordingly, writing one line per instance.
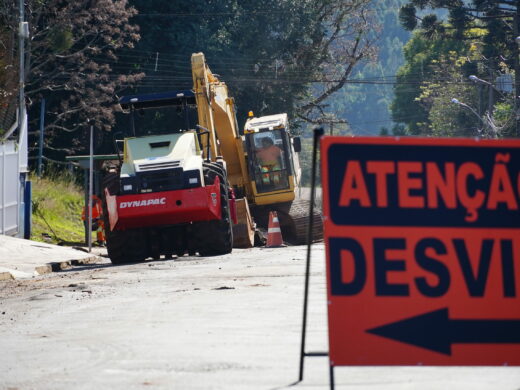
(491, 94)
(40, 146)
(480, 94)
(23, 192)
(21, 48)
(90, 186)
(516, 51)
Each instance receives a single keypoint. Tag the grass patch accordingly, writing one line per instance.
(57, 206)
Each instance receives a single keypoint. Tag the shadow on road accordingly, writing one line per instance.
(94, 266)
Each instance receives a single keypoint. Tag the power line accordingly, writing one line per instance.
(250, 79)
(242, 13)
(180, 65)
(281, 81)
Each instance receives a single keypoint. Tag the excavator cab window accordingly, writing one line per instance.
(270, 166)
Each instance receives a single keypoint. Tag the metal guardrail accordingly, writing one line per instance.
(8, 119)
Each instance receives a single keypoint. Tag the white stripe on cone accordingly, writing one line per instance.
(274, 230)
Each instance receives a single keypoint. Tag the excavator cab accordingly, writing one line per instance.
(269, 162)
(273, 166)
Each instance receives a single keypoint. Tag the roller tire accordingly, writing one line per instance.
(126, 246)
(216, 236)
(122, 246)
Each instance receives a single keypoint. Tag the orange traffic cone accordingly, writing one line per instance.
(274, 233)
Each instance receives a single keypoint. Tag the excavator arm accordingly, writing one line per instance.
(216, 113)
(216, 110)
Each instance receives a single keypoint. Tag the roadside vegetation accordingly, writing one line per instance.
(459, 70)
(57, 206)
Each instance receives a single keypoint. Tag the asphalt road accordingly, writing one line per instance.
(228, 322)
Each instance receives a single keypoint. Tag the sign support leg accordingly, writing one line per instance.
(90, 185)
(331, 373)
(318, 132)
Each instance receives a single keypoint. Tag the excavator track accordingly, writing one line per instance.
(294, 220)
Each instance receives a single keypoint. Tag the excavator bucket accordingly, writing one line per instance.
(244, 229)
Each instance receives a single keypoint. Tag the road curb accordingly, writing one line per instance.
(6, 276)
(47, 268)
(57, 266)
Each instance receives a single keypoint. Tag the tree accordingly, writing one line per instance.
(482, 32)
(446, 65)
(366, 98)
(8, 81)
(446, 118)
(269, 52)
(348, 41)
(69, 59)
(498, 19)
(420, 54)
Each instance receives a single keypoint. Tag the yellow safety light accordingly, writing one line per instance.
(250, 114)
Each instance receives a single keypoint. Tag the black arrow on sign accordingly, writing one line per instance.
(436, 331)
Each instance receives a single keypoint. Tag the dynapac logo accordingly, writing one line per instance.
(142, 203)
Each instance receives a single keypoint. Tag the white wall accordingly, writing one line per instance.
(13, 169)
(9, 188)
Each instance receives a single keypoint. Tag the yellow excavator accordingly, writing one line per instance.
(261, 161)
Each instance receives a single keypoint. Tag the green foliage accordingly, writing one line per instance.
(447, 119)
(410, 105)
(504, 118)
(57, 206)
(449, 62)
(60, 40)
(305, 157)
(398, 130)
(407, 17)
(473, 40)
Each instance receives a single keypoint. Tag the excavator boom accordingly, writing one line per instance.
(216, 113)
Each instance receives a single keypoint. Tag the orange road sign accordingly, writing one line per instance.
(423, 250)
